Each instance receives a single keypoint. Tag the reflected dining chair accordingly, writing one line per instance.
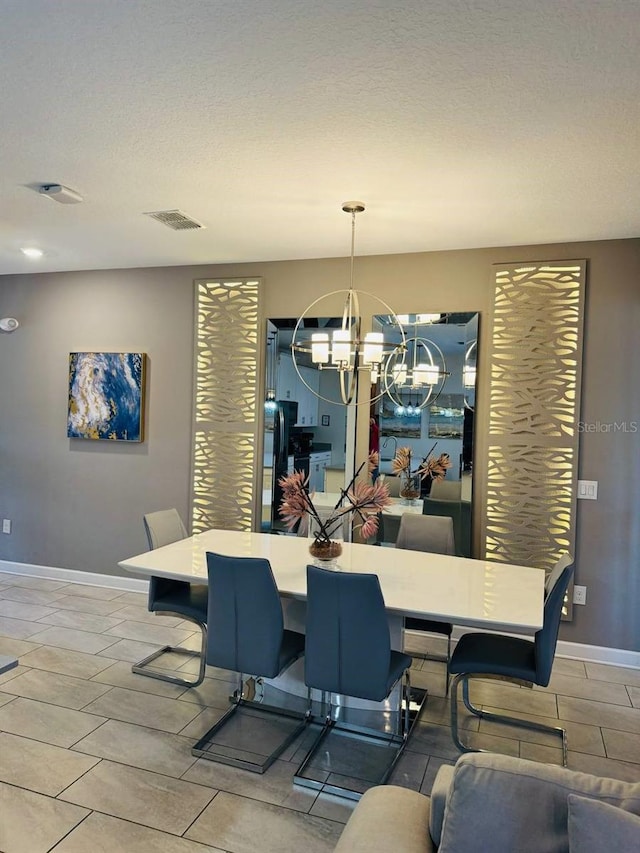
(393, 483)
(173, 597)
(247, 636)
(445, 499)
(388, 527)
(348, 652)
(481, 655)
(446, 490)
(434, 534)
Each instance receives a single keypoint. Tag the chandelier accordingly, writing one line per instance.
(270, 404)
(470, 372)
(469, 369)
(416, 368)
(345, 350)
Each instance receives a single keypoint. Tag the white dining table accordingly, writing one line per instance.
(471, 593)
(466, 592)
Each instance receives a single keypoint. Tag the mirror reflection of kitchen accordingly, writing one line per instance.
(302, 431)
(443, 425)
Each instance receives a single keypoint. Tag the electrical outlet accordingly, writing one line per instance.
(579, 594)
(6, 525)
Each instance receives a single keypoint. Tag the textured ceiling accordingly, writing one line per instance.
(460, 123)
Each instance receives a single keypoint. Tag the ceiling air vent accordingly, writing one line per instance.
(174, 219)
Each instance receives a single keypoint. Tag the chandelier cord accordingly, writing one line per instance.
(353, 247)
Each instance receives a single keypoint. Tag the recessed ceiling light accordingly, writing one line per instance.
(32, 252)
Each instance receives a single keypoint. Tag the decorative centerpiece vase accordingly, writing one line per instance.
(419, 480)
(410, 492)
(325, 554)
(361, 500)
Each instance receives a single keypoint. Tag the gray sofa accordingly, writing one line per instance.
(498, 804)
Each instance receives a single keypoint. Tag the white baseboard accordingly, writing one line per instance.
(579, 651)
(598, 654)
(74, 576)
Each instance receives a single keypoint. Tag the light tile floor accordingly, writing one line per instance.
(95, 758)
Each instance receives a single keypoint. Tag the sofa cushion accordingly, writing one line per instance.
(503, 804)
(388, 818)
(439, 793)
(595, 826)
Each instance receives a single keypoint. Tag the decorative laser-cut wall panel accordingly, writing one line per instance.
(529, 488)
(223, 485)
(534, 406)
(537, 348)
(227, 351)
(226, 383)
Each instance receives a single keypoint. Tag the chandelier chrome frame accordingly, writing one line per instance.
(346, 351)
(426, 371)
(470, 371)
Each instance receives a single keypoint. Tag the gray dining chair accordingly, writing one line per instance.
(563, 561)
(247, 636)
(394, 484)
(173, 597)
(458, 511)
(482, 655)
(348, 652)
(446, 490)
(434, 534)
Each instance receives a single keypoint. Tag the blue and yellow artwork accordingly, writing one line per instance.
(106, 395)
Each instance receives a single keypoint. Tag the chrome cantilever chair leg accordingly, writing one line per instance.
(353, 659)
(246, 638)
(202, 748)
(440, 659)
(141, 668)
(399, 740)
(463, 678)
(407, 705)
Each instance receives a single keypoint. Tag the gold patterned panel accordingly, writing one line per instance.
(223, 486)
(530, 490)
(227, 351)
(226, 383)
(536, 350)
(534, 406)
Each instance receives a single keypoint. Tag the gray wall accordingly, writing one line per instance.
(73, 503)
(79, 504)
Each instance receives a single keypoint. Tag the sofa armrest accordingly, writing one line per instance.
(388, 818)
(439, 793)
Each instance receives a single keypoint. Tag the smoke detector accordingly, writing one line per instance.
(9, 324)
(57, 192)
(174, 219)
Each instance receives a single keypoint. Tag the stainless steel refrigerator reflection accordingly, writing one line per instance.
(284, 419)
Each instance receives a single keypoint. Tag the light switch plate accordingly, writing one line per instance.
(6, 525)
(588, 490)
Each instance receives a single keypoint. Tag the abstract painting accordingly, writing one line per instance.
(106, 395)
(446, 417)
(400, 426)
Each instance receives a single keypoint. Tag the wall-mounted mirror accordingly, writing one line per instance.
(302, 431)
(430, 409)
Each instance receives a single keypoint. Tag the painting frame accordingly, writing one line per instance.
(107, 396)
